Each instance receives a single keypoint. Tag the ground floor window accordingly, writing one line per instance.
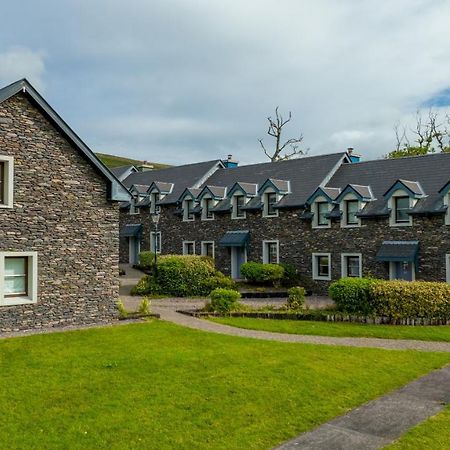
(208, 248)
(447, 267)
(18, 278)
(351, 265)
(271, 252)
(155, 242)
(321, 266)
(402, 270)
(188, 247)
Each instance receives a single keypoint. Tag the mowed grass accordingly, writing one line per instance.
(161, 386)
(433, 434)
(340, 329)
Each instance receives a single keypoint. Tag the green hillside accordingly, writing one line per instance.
(116, 161)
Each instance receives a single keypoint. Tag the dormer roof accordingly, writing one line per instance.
(364, 193)
(329, 193)
(280, 186)
(216, 192)
(161, 186)
(413, 187)
(249, 189)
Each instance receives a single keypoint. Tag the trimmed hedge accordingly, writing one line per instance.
(224, 300)
(402, 299)
(255, 272)
(296, 298)
(291, 277)
(146, 260)
(183, 276)
(352, 295)
(395, 299)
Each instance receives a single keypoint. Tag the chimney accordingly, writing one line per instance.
(354, 157)
(145, 167)
(230, 162)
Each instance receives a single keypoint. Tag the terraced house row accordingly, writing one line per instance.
(330, 216)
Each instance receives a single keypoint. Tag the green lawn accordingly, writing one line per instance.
(340, 329)
(433, 434)
(161, 386)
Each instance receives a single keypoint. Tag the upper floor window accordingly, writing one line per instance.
(188, 210)
(270, 199)
(208, 205)
(133, 208)
(270, 252)
(321, 214)
(154, 199)
(351, 209)
(401, 208)
(6, 182)
(238, 203)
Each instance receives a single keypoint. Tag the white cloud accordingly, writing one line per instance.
(21, 62)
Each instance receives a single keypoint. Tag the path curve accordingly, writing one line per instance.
(169, 314)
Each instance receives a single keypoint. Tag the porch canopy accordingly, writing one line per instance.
(130, 230)
(398, 251)
(234, 238)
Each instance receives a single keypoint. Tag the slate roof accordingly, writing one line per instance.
(141, 188)
(304, 174)
(188, 175)
(431, 171)
(398, 251)
(120, 171)
(117, 192)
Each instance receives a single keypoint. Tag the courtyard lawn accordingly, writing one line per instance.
(161, 386)
(340, 329)
(433, 434)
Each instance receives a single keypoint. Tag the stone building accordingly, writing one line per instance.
(330, 215)
(59, 220)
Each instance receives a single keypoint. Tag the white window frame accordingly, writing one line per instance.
(265, 250)
(234, 206)
(185, 244)
(203, 205)
(153, 208)
(153, 242)
(203, 248)
(31, 298)
(344, 257)
(315, 266)
(185, 211)
(447, 267)
(392, 270)
(265, 201)
(446, 201)
(133, 209)
(391, 205)
(343, 208)
(315, 210)
(9, 182)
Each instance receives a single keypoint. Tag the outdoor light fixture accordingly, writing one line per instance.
(155, 219)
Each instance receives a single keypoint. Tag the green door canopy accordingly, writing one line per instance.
(234, 239)
(398, 251)
(130, 230)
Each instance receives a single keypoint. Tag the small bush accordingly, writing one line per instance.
(224, 300)
(123, 313)
(146, 286)
(352, 295)
(291, 276)
(255, 272)
(403, 299)
(146, 260)
(296, 298)
(144, 307)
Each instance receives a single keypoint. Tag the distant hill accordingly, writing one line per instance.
(116, 161)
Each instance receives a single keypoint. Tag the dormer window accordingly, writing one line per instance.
(133, 208)
(270, 199)
(188, 210)
(154, 199)
(238, 203)
(351, 209)
(207, 207)
(322, 211)
(6, 182)
(401, 209)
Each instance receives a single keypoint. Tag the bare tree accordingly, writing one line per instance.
(275, 130)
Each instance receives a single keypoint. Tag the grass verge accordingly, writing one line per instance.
(161, 386)
(340, 329)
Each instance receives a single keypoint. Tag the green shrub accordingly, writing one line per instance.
(219, 280)
(296, 297)
(146, 260)
(291, 277)
(123, 313)
(224, 300)
(144, 307)
(255, 272)
(352, 295)
(146, 285)
(403, 299)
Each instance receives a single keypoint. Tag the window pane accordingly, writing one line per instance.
(272, 248)
(323, 266)
(15, 276)
(401, 209)
(352, 209)
(322, 209)
(353, 266)
(15, 266)
(15, 285)
(2, 182)
(271, 200)
(239, 204)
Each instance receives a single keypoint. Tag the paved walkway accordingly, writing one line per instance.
(380, 422)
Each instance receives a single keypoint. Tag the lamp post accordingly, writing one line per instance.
(155, 219)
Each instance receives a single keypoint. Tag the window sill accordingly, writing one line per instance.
(188, 220)
(316, 227)
(206, 219)
(268, 216)
(14, 301)
(318, 278)
(6, 206)
(238, 218)
(401, 224)
(352, 225)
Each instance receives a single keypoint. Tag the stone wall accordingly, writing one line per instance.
(297, 241)
(60, 211)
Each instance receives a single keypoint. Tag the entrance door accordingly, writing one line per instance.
(402, 270)
(133, 245)
(238, 257)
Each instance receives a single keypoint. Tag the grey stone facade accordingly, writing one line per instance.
(61, 211)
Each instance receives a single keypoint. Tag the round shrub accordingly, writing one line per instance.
(146, 260)
(260, 273)
(146, 285)
(224, 300)
(352, 295)
(291, 277)
(296, 297)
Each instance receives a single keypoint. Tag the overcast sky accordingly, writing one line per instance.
(178, 81)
